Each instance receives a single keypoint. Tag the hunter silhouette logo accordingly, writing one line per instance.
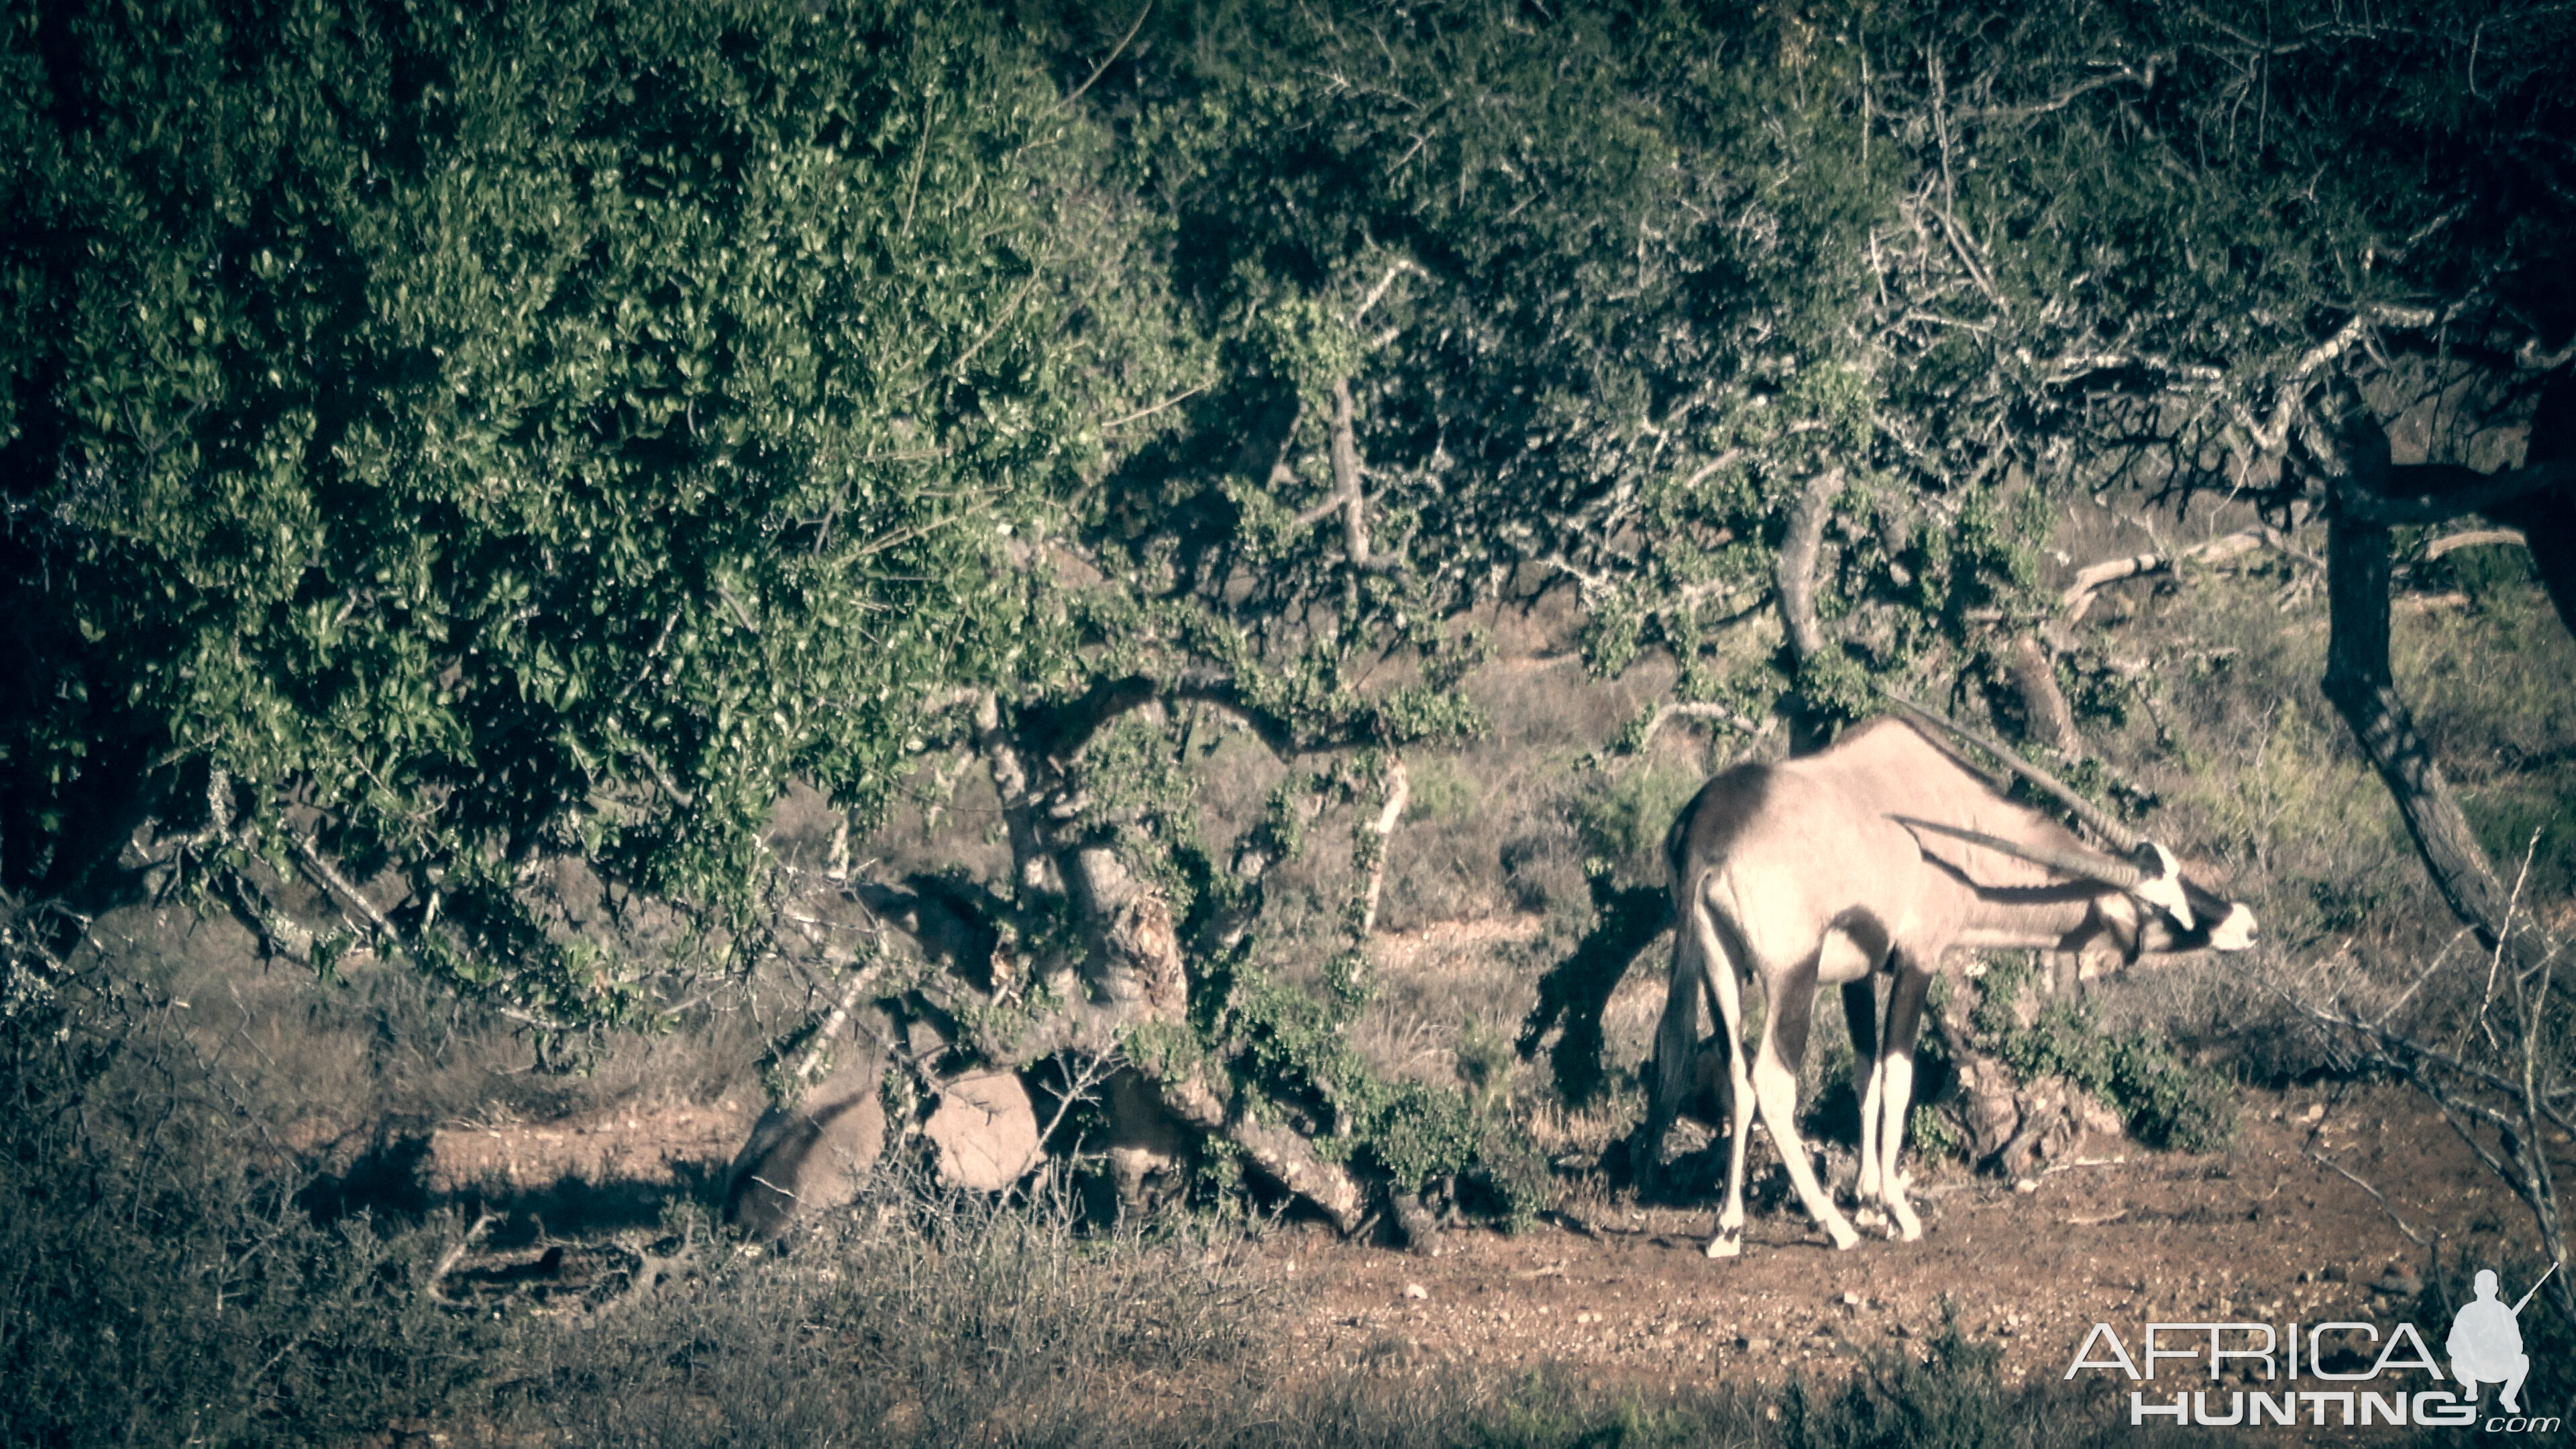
(2344, 1372)
(2486, 1342)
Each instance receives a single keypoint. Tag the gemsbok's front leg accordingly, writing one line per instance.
(1860, 1014)
(1892, 1097)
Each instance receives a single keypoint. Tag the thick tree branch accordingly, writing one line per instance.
(1795, 574)
(1030, 871)
(2433, 492)
(1282, 1155)
(1347, 493)
(2077, 598)
(2359, 682)
(1398, 791)
(2474, 538)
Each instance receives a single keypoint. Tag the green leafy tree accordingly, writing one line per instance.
(444, 441)
(439, 449)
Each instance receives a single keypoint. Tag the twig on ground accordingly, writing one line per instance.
(2403, 1226)
(2085, 1162)
(448, 1260)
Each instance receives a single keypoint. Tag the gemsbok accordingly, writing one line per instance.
(1883, 852)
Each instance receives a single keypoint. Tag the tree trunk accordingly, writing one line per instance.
(1794, 574)
(2045, 714)
(2361, 686)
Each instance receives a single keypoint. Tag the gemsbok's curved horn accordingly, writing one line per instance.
(2095, 818)
(2161, 888)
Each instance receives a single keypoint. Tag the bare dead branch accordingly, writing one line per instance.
(1398, 792)
(448, 1260)
(1700, 709)
(848, 1001)
(2125, 75)
(1282, 1155)
(1393, 271)
(2077, 597)
(1174, 400)
(1105, 61)
(2434, 492)
(2474, 538)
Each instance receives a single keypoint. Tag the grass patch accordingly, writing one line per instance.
(158, 1284)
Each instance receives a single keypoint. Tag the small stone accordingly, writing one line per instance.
(2026, 1186)
(1851, 1300)
(1750, 1344)
(1416, 1290)
(2400, 1282)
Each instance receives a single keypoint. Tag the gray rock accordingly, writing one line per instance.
(984, 1132)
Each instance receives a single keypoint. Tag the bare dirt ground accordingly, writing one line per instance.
(2266, 1233)
(2329, 1208)
(1619, 1294)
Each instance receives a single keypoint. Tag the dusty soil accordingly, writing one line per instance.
(2331, 1207)
(2266, 1233)
(1619, 1293)
(662, 1147)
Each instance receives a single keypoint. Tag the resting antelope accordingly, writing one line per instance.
(1885, 851)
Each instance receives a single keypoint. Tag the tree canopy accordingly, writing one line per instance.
(439, 442)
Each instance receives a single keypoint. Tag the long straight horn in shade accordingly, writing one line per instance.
(2095, 818)
(2161, 888)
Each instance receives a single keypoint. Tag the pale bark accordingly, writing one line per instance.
(1029, 868)
(2044, 709)
(1283, 1155)
(1398, 791)
(1794, 574)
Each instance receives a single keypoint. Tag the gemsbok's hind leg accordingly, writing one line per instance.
(1674, 1070)
(1721, 978)
(1775, 1087)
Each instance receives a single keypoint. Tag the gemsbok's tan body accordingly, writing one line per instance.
(1883, 852)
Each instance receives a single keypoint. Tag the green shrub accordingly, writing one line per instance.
(2165, 1101)
(1441, 790)
(1624, 818)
